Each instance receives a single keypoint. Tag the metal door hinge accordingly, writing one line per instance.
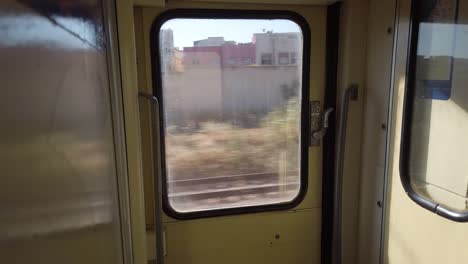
(318, 123)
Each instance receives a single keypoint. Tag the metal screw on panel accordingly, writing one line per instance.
(379, 204)
(277, 236)
(389, 30)
(383, 126)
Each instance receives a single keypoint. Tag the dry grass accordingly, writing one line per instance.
(220, 149)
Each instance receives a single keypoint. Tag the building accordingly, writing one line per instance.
(265, 49)
(177, 62)
(227, 55)
(171, 57)
(209, 42)
(277, 48)
(166, 45)
(237, 54)
(234, 79)
(202, 56)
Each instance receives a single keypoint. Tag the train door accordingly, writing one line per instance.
(62, 156)
(427, 199)
(237, 88)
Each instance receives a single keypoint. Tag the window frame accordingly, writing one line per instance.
(305, 105)
(409, 95)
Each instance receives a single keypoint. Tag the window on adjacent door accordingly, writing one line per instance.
(433, 150)
(233, 132)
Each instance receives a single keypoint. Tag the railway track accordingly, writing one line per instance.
(233, 190)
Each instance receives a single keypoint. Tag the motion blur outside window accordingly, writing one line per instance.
(232, 120)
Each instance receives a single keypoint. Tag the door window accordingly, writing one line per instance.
(434, 171)
(234, 128)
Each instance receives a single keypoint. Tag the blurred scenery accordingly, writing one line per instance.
(232, 115)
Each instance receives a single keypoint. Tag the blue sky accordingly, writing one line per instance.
(240, 30)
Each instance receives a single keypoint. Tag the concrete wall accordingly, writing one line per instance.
(258, 88)
(194, 94)
(206, 93)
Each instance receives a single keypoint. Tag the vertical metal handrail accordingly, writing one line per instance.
(157, 174)
(351, 94)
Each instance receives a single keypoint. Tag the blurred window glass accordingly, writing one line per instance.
(232, 130)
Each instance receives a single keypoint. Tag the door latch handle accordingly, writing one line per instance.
(319, 122)
(318, 135)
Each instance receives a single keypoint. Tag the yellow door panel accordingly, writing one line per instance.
(280, 237)
(243, 238)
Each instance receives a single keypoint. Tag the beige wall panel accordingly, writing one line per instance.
(127, 52)
(255, 242)
(379, 61)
